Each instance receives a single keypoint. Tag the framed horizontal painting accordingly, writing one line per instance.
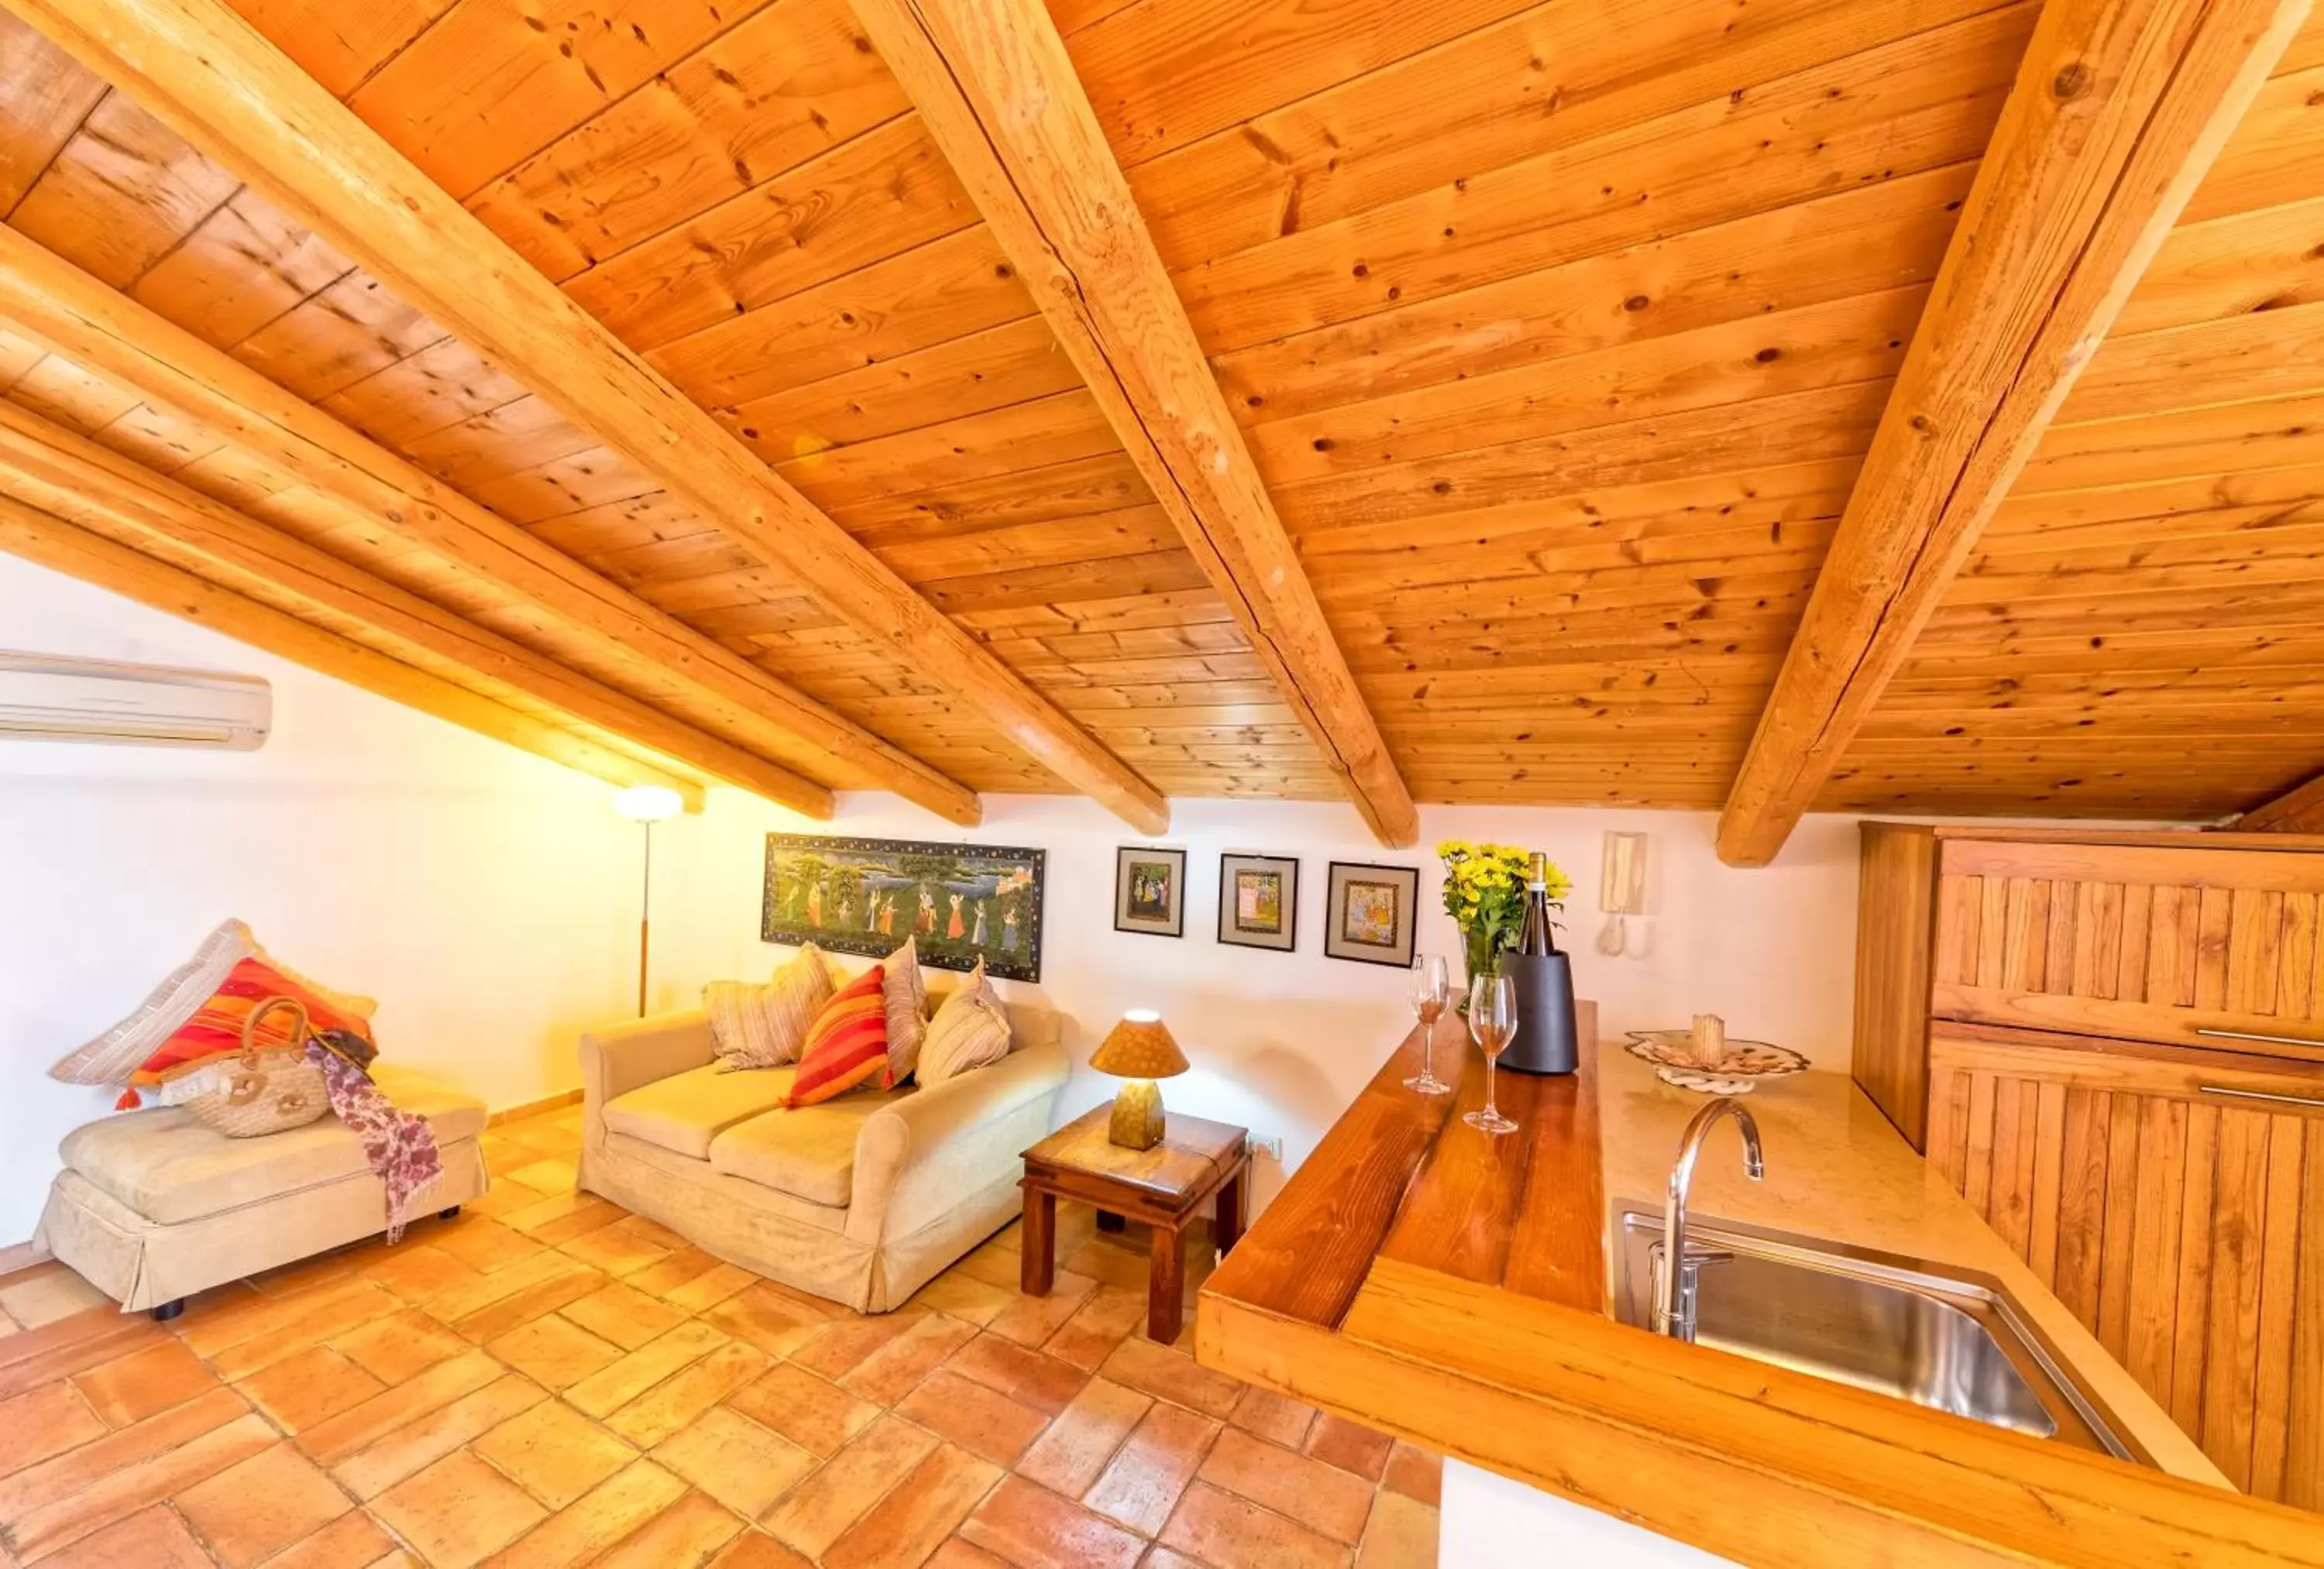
(963, 901)
(1369, 913)
(1150, 891)
(1259, 902)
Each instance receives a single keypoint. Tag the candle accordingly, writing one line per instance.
(1709, 1040)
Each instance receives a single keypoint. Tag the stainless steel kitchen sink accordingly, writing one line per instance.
(1929, 1333)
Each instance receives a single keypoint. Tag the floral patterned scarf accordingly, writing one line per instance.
(401, 1146)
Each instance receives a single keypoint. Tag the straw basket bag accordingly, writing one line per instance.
(266, 1091)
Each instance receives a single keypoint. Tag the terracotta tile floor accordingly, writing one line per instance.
(548, 1379)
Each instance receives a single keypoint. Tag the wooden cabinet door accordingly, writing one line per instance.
(2182, 946)
(2177, 1210)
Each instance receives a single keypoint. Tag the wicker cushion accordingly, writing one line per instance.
(166, 1166)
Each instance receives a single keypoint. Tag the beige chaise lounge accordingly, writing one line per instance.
(861, 1199)
(153, 1206)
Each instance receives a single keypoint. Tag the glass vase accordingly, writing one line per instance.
(1480, 954)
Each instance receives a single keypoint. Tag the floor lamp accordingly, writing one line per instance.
(647, 805)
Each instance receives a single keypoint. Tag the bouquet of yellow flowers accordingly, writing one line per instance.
(1485, 894)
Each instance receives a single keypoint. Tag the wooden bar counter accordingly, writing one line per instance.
(1418, 1276)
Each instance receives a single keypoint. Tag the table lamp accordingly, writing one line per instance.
(1140, 1049)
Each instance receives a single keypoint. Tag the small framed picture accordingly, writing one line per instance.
(1368, 913)
(1259, 902)
(1150, 891)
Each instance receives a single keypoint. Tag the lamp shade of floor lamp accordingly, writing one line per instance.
(647, 805)
(1140, 1050)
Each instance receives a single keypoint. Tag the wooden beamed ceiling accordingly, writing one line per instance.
(2119, 108)
(994, 85)
(1557, 335)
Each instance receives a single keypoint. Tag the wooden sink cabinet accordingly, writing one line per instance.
(2112, 1046)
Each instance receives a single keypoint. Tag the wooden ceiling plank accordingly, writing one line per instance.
(1856, 339)
(780, 88)
(778, 239)
(66, 472)
(1791, 427)
(996, 89)
(1550, 76)
(89, 324)
(2300, 809)
(44, 97)
(959, 284)
(1858, 241)
(1911, 104)
(2118, 109)
(50, 542)
(123, 193)
(485, 86)
(979, 373)
(342, 46)
(223, 87)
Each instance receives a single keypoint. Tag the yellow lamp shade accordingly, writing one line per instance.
(1139, 1047)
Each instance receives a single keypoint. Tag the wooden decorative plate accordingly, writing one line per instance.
(1702, 1083)
(1671, 1051)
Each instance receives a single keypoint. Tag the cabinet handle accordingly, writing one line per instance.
(2271, 1039)
(2220, 1090)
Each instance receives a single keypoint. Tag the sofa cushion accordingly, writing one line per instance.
(765, 1026)
(971, 1031)
(168, 1167)
(847, 1045)
(683, 1113)
(808, 1152)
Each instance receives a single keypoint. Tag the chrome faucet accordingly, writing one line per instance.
(1677, 1262)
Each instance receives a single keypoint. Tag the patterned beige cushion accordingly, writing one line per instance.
(764, 1026)
(166, 1166)
(971, 1031)
(907, 1009)
(684, 1113)
(113, 1056)
(807, 1153)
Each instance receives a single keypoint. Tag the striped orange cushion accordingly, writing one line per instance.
(847, 1044)
(216, 1028)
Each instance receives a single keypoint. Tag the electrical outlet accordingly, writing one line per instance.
(1268, 1144)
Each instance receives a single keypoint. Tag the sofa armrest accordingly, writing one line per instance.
(915, 1158)
(616, 1059)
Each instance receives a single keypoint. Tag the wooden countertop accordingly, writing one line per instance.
(1400, 1177)
(1417, 1276)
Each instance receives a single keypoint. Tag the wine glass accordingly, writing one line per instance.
(1492, 1025)
(1430, 990)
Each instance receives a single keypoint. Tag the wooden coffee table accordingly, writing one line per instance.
(1166, 1187)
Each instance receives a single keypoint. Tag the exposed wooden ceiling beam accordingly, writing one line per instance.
(2117, 109)
(2299, 809)
(49, 541)
(68, 476)
(87, 321)
(997, 90)
(221, 85)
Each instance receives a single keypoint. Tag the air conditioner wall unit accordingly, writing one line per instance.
(47, 697)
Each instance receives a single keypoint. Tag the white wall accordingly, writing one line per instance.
(488, 898)
(1281, 1042)
(1488, 1522)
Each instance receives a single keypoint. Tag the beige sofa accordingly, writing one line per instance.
(152, 1206)
(861, 1199)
